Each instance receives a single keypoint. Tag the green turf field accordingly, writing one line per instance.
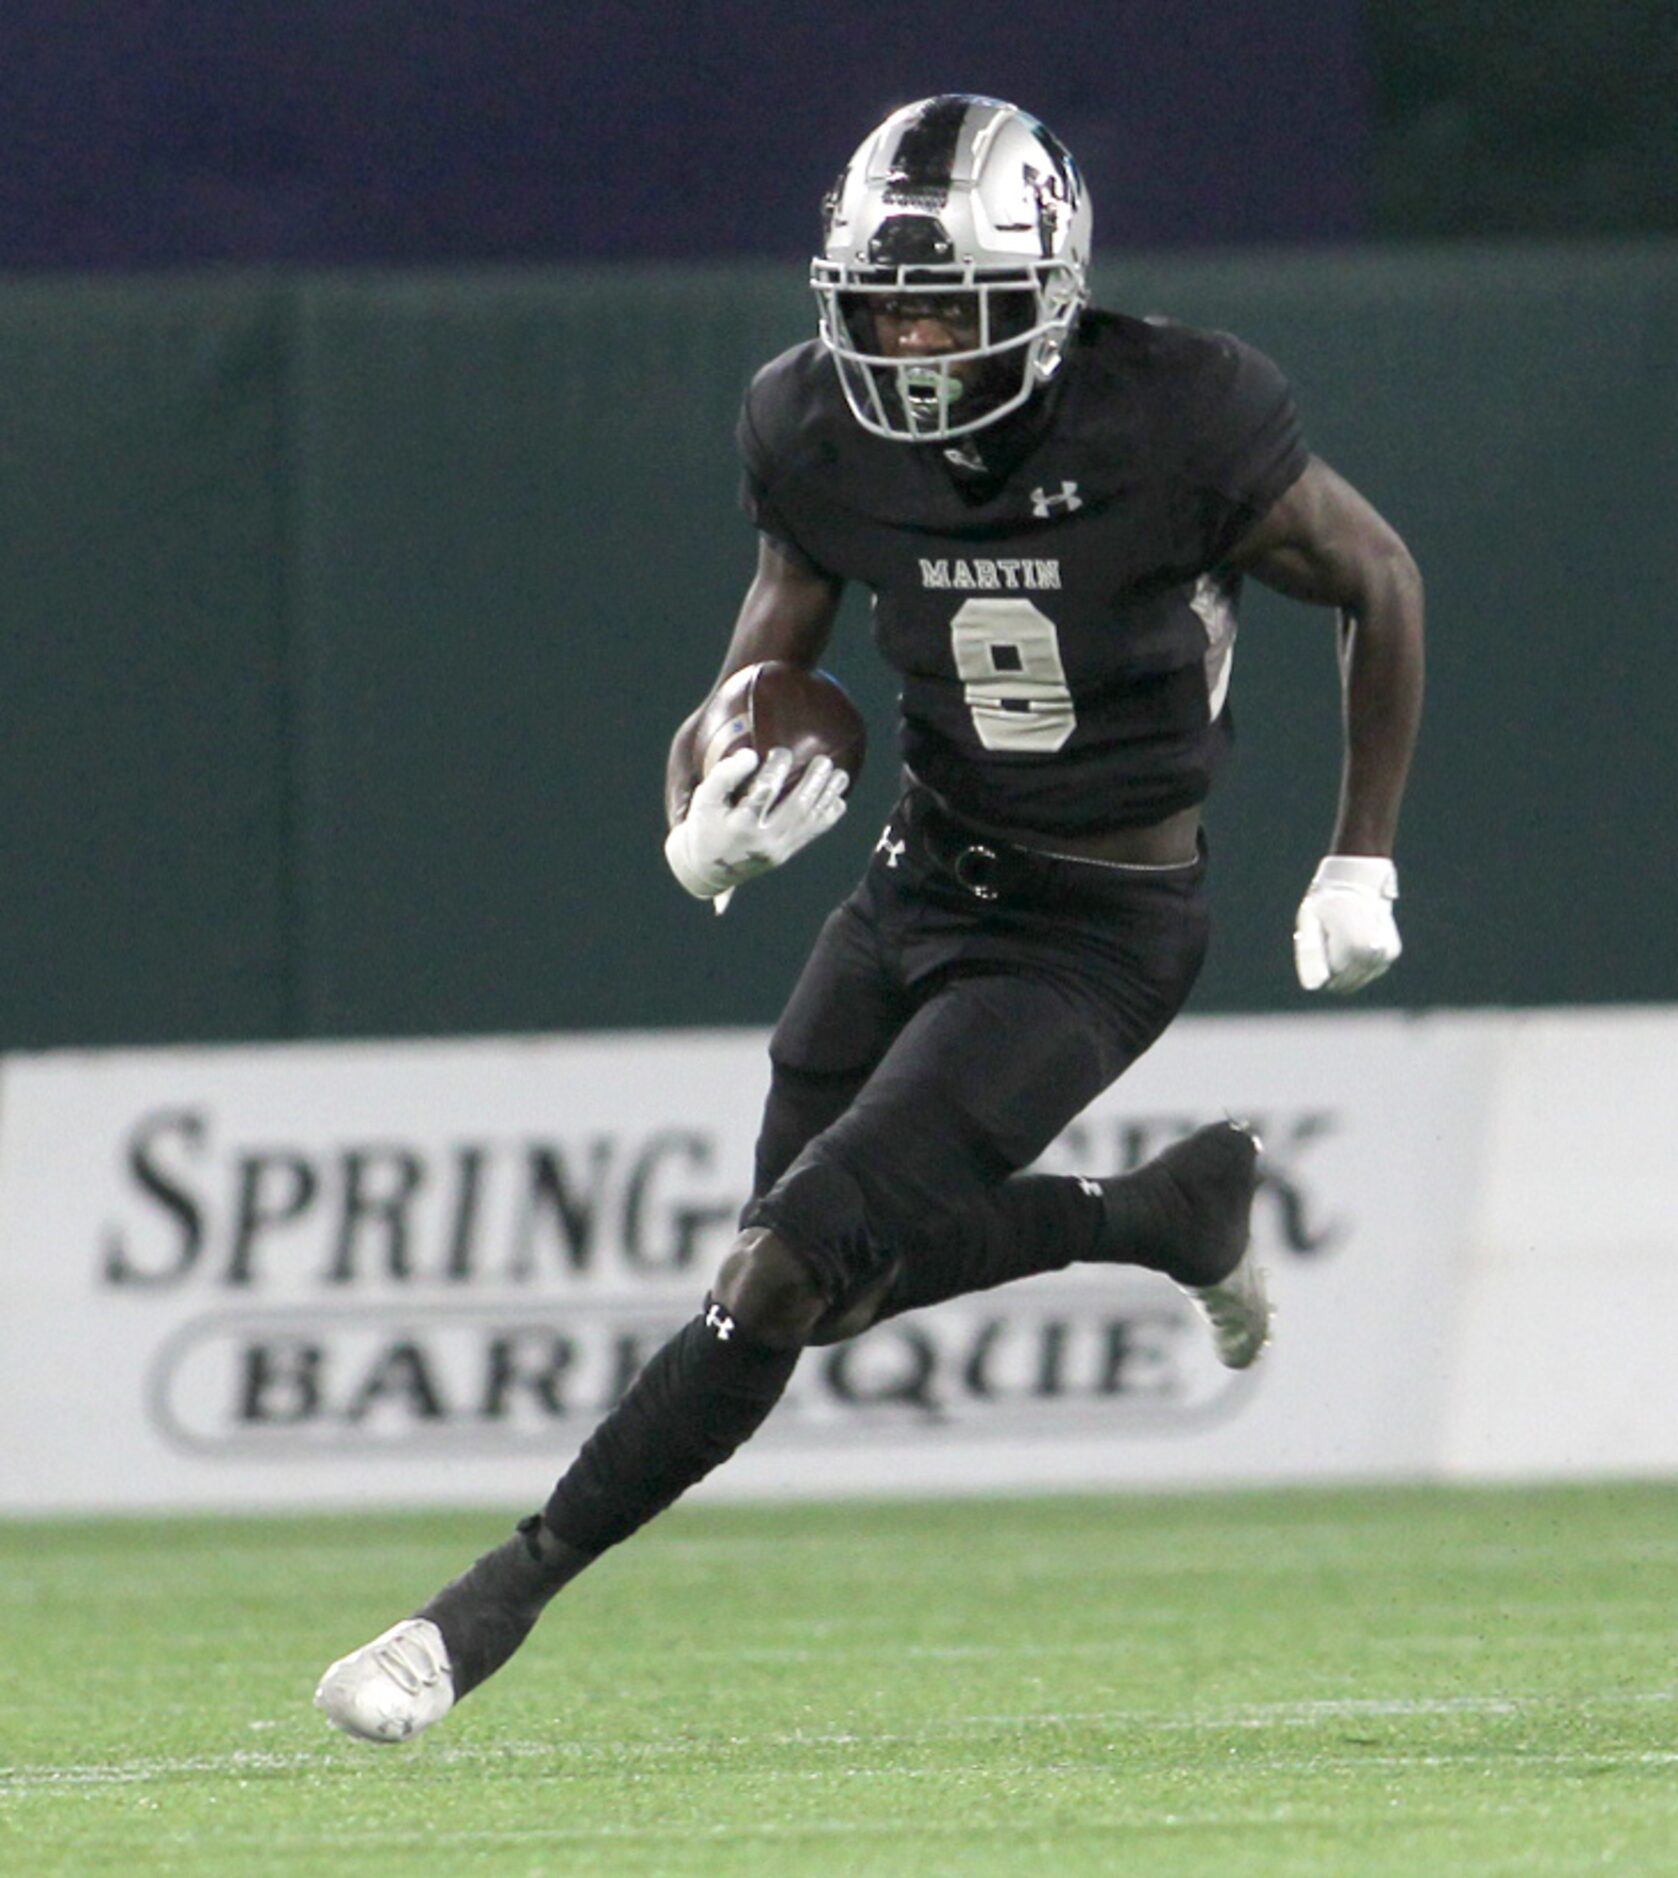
(1409, 1681)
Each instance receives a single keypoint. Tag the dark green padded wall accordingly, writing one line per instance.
(348, 618)
(1515, 413)
(144, 708)
(520, 554)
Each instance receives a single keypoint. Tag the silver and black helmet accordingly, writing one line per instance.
(955, 195)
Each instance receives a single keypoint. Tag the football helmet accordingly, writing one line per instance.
(961, 205)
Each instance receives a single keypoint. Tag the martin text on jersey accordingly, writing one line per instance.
(982, 576)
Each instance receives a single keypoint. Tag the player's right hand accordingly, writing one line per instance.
(721, 842)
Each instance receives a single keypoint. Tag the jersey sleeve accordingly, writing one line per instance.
(1250, 450)
(757, 480)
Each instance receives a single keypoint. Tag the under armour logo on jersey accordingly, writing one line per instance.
(892, 850)
(1066, 499)
(717, 1319)
(1091, 1187)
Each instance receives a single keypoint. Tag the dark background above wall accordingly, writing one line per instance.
(169, 132)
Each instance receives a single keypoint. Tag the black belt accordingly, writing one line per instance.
(989, 870)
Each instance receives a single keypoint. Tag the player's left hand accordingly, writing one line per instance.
(1345, 933)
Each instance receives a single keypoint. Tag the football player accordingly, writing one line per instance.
(1054, 508)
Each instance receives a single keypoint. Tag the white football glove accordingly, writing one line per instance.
(719, 843)
(1344, 934)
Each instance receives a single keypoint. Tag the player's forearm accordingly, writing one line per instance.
(1382, 662)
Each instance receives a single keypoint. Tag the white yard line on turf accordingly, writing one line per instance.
(1257, 1715)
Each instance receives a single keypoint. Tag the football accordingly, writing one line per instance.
(774, 705)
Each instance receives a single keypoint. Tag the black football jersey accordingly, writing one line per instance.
(1051, 593)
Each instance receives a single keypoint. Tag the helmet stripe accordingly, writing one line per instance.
(924, 159)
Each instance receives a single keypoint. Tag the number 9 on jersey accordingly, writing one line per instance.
(1007, 655)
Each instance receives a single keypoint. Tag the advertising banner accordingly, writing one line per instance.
(418, 1273)
(1564, 1363)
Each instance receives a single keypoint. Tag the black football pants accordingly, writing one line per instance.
(957, 1011)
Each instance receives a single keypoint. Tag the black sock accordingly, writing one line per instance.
(1183, 1213)
(1032, 1223)
(699, 1398)
(488, 1611)
(1142, 1219)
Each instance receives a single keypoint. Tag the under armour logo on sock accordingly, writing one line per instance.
(1091, 1187)
(717, 1319)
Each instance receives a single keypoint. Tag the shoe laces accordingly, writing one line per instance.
(409, 1661)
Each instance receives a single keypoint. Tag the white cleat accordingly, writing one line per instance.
(1238, 1310)
(391, 1688)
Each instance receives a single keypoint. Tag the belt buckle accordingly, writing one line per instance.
(971, 865)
